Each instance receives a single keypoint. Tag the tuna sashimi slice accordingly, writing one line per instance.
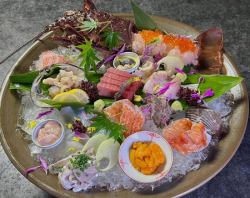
(107, 89)
(119, 72)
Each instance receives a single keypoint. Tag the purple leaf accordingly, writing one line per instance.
(44, 113)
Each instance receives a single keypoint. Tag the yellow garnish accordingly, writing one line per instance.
(136, 79)
(71, 149)
(156, 87)
(69, 126)
(31, 124)
(77, 118)
(137, 98)
(76, 139)
(91, 129)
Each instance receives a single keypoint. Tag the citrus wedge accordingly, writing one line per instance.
(75, 96)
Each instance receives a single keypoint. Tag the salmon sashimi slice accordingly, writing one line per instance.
(48, 58)
(126, 113)
(186, 136)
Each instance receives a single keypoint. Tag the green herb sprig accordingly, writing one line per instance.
(81, 161)
(111, 39)
(89, 58)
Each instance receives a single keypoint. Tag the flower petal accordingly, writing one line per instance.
(208, 93)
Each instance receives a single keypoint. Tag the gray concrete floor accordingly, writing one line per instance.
(22, 19)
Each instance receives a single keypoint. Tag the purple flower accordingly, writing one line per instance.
(208, 93)
(165, 88)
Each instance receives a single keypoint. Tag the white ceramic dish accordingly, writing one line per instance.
(144, 136)
(136, 58)
(39, 126)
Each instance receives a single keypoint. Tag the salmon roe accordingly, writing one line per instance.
(184, 44)
(149, 35)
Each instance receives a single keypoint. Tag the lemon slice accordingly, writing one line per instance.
(73, 96)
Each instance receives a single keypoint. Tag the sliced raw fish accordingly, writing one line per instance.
(126, 113)
(186, 136)
(48, 58)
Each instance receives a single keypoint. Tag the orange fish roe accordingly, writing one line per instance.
(184, 44)
(149, 35)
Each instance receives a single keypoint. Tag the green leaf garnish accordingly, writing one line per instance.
(81, 161)
(25, 78)
(111, 39)
(90, 25)
(102, 122)
(142, 20)
(59, 105)
(94, 77)
(89, 57)
(20, 87)
(220, 84)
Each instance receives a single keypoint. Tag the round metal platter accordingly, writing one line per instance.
(17, 149)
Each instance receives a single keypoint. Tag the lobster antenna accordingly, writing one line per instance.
(18, 49)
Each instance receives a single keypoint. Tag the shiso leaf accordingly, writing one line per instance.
(142, 20)
(102, 122)
(220, 84)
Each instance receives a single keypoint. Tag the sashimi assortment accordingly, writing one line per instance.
(120, 105)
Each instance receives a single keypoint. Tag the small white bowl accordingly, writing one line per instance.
(130, 54)
(144, 136)
(37, 129)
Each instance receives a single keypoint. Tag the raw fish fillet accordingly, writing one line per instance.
(126, 113)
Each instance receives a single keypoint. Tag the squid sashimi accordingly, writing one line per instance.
(126, 113)
(186, 136)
